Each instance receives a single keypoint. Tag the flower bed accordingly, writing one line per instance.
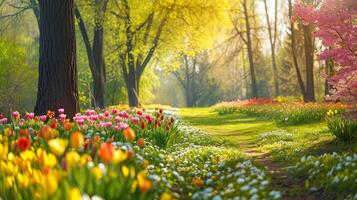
(120, 155)
(337, 173)
(283, 112)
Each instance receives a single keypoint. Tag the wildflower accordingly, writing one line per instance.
(143, 183)
(106, 152)
(198, 181)
(23, 144)
(77, 140)
(74, 194)
(141, 142)
(129, 134)
(57, 146)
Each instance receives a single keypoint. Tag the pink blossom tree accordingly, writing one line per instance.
(336, 25)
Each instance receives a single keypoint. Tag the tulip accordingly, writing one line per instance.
(77, 140)
(106, 152)
(16, 115)
(57, 146)
(61, 111)
(23, 144)
(143, 183)
(129, 134)
(141, 142)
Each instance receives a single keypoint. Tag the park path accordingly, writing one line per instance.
(241, 132)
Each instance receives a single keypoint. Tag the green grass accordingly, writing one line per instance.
(243, 131)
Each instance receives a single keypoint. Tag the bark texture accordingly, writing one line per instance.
(57, 84)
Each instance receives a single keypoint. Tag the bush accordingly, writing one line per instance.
(344, 129)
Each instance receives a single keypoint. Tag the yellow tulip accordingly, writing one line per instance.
(9, 181)
(28, 155)
(85, 159)
(74, 194)
(165, 196)
(119, 156)
(133, 186)
(50, 183)
(22, 180)
(72, 159)
(11, 169)
(3, 151)
(125, 170)
(97, 172)
(57, 146)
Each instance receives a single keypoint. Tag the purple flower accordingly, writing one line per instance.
(61, 111)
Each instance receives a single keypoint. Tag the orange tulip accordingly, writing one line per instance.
(24, 132)
(143, 183)
(77, 140)
(106, 152)
(47, 133)
(141, 142)
(129, 134)
(67, 126)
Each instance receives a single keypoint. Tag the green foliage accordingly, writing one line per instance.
(344, 129)
(18, 78)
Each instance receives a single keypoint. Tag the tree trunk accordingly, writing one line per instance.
(99, 79)
(293, 52)
(272, 41)
(57, 84)
(133, 93)
(328, 73)
(250, 52)
(95, 60)
(309, 61)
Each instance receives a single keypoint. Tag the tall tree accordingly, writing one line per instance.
(95, 50)
(57, 84)
(272, 31)
(152, 30)
(247, 39)
(294, 54)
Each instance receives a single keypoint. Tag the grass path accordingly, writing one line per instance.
(242, 132)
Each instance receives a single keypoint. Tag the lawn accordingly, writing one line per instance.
(275, 145)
